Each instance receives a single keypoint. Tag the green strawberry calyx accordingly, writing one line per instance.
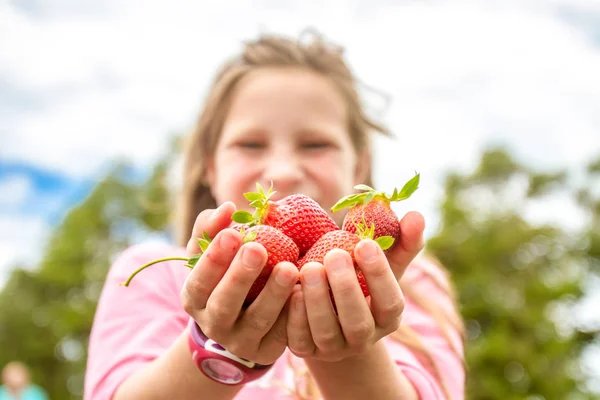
(367, 232)
(260, 200)
(369, 194)
(190, 261)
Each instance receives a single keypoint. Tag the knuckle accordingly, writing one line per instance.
(394, 308)
(280, 336)
(327, 341)
(379, 270)
(395, 324)
(217, 313)
(346, 287)
(258, 323)
(186, 301)
(302, 347)
(196, 287)
(238, 278)
(360, 333)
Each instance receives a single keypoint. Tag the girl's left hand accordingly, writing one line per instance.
(315, 331)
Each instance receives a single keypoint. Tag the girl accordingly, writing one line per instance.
(287, 113)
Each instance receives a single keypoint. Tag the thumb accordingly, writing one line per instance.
(211, 222)
(410, 243)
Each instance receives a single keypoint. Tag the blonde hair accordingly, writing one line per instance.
(320, 57)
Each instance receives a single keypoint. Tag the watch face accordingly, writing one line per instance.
(222, 371)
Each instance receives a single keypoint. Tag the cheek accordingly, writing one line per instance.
(335, 174)
(234, 176)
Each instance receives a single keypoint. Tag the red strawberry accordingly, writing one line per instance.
(371, 210)
(297, 216)
(341, 240)
(279, 248)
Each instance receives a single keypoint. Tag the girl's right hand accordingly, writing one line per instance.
(215, 289)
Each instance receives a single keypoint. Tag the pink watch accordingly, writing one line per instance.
(217, 363)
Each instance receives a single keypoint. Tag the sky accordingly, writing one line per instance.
(83, 82)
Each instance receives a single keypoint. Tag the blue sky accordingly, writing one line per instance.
(84, 82)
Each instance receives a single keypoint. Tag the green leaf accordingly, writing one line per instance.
(242, 217)
(203, 243)
(385, 242)
(348, 201)
(206, 237)
(253, 196)
(369, 197)
(260, 189)
(250, 237)
(408, 189)
(364, 187)
(193, 260)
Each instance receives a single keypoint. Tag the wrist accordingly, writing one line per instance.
(372, 374)
(219, 364)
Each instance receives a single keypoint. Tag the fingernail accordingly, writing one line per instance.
(227, 241)
(368, 251)
(339, 264)
(284, 278)
(312, 277)
(250, 258)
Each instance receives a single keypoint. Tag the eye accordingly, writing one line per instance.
(251, 144)
(316, 145)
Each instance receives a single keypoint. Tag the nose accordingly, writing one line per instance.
(285, 171)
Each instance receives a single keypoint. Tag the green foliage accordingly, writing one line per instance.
(46, 314)
(516, 281)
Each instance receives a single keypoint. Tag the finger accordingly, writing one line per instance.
(299, 336)
(411, 242)
(225, 303)
(260, 316)
(325, 330)
(387, 302)
(210, 222)
(275, 341)
(209, 270)
(353, 311)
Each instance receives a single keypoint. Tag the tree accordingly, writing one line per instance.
(46, 315)
(517, 280)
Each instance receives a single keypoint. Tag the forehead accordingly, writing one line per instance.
(287, 95)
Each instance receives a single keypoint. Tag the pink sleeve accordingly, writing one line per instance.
(134, 325)
(425, 277)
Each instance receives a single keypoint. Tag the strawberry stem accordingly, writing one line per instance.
(143, 267)
(369, 194)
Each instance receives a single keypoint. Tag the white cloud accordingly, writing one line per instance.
(458, 75)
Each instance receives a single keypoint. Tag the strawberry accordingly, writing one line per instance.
(346, 241)
(279, 248)
(371, 209)
(298, 216)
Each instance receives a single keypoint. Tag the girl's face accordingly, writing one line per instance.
(288, 126)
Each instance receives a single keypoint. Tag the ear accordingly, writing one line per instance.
(363, 167)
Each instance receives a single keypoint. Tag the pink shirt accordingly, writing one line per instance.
(136, 324)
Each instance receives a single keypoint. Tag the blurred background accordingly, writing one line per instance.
(496, 103)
